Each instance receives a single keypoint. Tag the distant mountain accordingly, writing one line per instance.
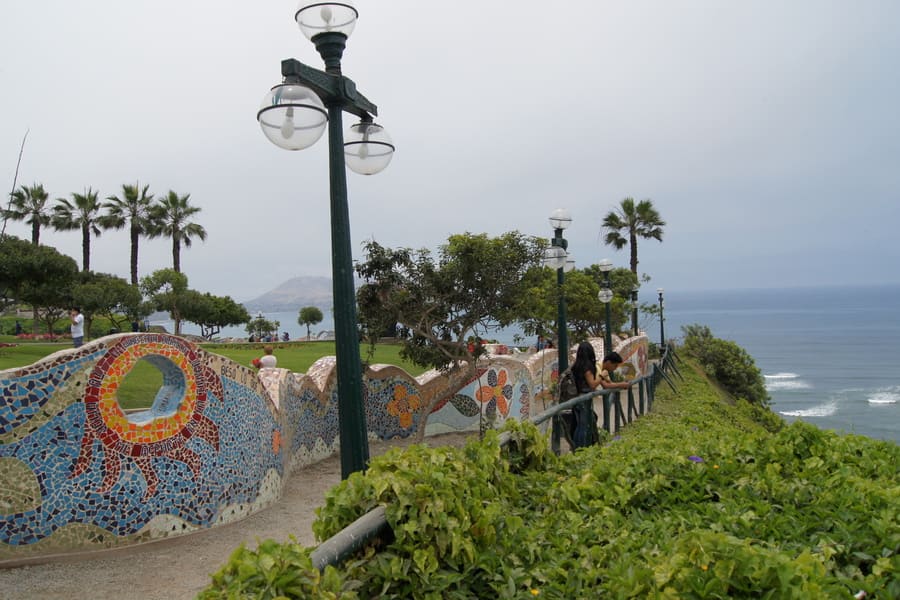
(294, 294)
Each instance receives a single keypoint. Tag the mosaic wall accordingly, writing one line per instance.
(77, 473)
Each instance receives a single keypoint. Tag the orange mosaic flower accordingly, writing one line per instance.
(496, 389)
(403, 406)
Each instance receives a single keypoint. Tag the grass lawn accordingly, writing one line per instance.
(140, 386)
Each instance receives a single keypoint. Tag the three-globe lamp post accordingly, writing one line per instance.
(634, 309)
(662, 320)
(557, 258)
(293, 116)
(605, 296)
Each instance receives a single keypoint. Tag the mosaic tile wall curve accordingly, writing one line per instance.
(77, 473)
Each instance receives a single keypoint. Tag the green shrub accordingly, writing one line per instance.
(695, 500)
(274, 571)
(726, 362)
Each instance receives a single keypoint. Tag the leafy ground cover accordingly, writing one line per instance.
(703, 498)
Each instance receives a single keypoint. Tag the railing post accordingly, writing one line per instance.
(607, 405)
(618, 401)
(555, 434)
(630, 414)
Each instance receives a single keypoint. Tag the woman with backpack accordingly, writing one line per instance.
(587, 379)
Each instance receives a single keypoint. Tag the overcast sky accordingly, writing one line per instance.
(766, 133)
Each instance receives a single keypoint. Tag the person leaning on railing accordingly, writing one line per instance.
(611, 362)
(588, 378)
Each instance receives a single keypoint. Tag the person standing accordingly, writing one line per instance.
(588, 378)
(77, 327)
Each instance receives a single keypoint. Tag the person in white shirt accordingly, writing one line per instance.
(77, 327)
(267, 360)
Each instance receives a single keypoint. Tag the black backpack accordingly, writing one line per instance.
(567, 387)
(579, 423)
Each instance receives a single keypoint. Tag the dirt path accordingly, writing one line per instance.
(178, 569)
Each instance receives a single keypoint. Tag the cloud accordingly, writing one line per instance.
(766, 133)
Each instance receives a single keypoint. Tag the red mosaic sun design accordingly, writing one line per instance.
(176, 416)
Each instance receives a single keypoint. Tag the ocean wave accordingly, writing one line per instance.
(885, 397)
(785, 381)
(782, 376)
(822, 410)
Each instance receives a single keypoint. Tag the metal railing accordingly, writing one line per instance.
(373, 525)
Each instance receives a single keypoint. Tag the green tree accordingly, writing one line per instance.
(104, 295)
(628, 222)
(16, 268)
(585, 313)
(212, 313)
(133, 208)
(29, 204)
(310, 315)
(167, 290)
(49, 290)
(260, 327)
(472, 288)
(83, 213)
(171, 218)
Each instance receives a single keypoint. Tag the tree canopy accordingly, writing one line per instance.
(630, 221)
(170, 217)
(473, 287)
(101, 294)
(167, 290)
(29, 205)
(309, 315)
(212, 313)
(35, 274)
(82, 213)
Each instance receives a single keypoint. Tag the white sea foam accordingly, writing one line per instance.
(782, 376)
(822, 410)
(785, 381)
(891, 396)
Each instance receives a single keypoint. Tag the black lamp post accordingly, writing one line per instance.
(634, 309)
(293, 116)
(556, 257)
(662, 320)
(605, 296)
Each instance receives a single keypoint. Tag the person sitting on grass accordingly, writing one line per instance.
(267, 360)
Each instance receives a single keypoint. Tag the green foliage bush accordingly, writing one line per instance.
(276, 571)
(726, 362)
(695, 500)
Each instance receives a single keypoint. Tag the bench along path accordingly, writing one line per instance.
(179, 568)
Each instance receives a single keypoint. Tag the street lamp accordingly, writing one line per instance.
(662, 320)
(293, 116)
(557, 258)
(605, 296)
(634, 308)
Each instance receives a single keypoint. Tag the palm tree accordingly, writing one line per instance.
(83, 213)
(633, 221)
(133, 208)
(29, 204)
(170, 216)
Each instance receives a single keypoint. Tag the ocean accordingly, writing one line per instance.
(830, 355)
